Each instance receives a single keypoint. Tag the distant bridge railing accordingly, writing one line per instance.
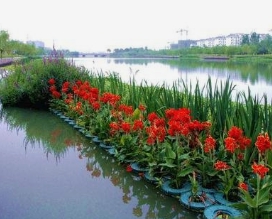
(92, 55)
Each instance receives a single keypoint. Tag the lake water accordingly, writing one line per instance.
(45, 174)
(257, 77)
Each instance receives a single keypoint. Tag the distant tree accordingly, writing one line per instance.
(265, 46)
(254, 38)
(245, 39)
(4, 37)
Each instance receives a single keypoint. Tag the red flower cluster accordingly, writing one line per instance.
(110, 98)
(243, 186)
(180, 123)
(129, 168)
(236, 140)
(209, 145)
(263, 143)
(127, 110)
(51, 81)
(259, 169)
(53, 89)
(221, 165)
(65, 87)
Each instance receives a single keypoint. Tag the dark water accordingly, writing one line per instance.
(44, 173)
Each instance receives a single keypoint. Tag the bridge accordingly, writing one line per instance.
(94, 54)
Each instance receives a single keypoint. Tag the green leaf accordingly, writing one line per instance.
(262, 196)
(240, 205)
(170, 165)
(122, 140)
(184, 156)
(169, 152)
(266, 208)
(185, 171)
(248, 200)
(136, 114)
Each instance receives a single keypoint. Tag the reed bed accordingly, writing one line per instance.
(217, 103)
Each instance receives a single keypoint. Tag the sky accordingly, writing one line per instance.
(99, 25)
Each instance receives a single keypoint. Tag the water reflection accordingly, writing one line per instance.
(253, 72)
(43, 130)
(82, 181)
(246, 75)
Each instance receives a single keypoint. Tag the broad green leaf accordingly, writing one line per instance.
(169, 152)
(136, 114)
(185, 171)
(266, 208)
(249, 201)
(262, 196)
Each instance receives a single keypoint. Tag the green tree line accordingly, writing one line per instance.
(11, 48)
(250, 45)
(15, 48)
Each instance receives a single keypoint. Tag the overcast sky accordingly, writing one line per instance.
(98, 25)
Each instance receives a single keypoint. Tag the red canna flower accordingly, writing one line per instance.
(51, 81)
(235, 132)
(150, 141)
(56, 94)
(142, 107)
(263, 143)
(196, 126)
(125, 126)
(169, 113)
(128, 110)
(244, 142)
(152, 117)
(221, 165)
(114, 128)
(138, 125)
(52, 88)
(209, 144)
(259, 169)
(230, 144)
(175, 127)
(66, 84)
(240, 156)
(243, 186)
(96, 105)
(110, 98)
(79, 83)
(159, 122)
(129, 168)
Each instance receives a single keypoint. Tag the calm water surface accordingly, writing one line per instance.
(257, 77)
(44, 173)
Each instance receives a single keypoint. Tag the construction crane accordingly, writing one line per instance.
(181, 31)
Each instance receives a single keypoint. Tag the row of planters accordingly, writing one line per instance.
(174, 150)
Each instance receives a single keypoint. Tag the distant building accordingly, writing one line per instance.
(234, 39)
(229, 40)
(37, 44)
